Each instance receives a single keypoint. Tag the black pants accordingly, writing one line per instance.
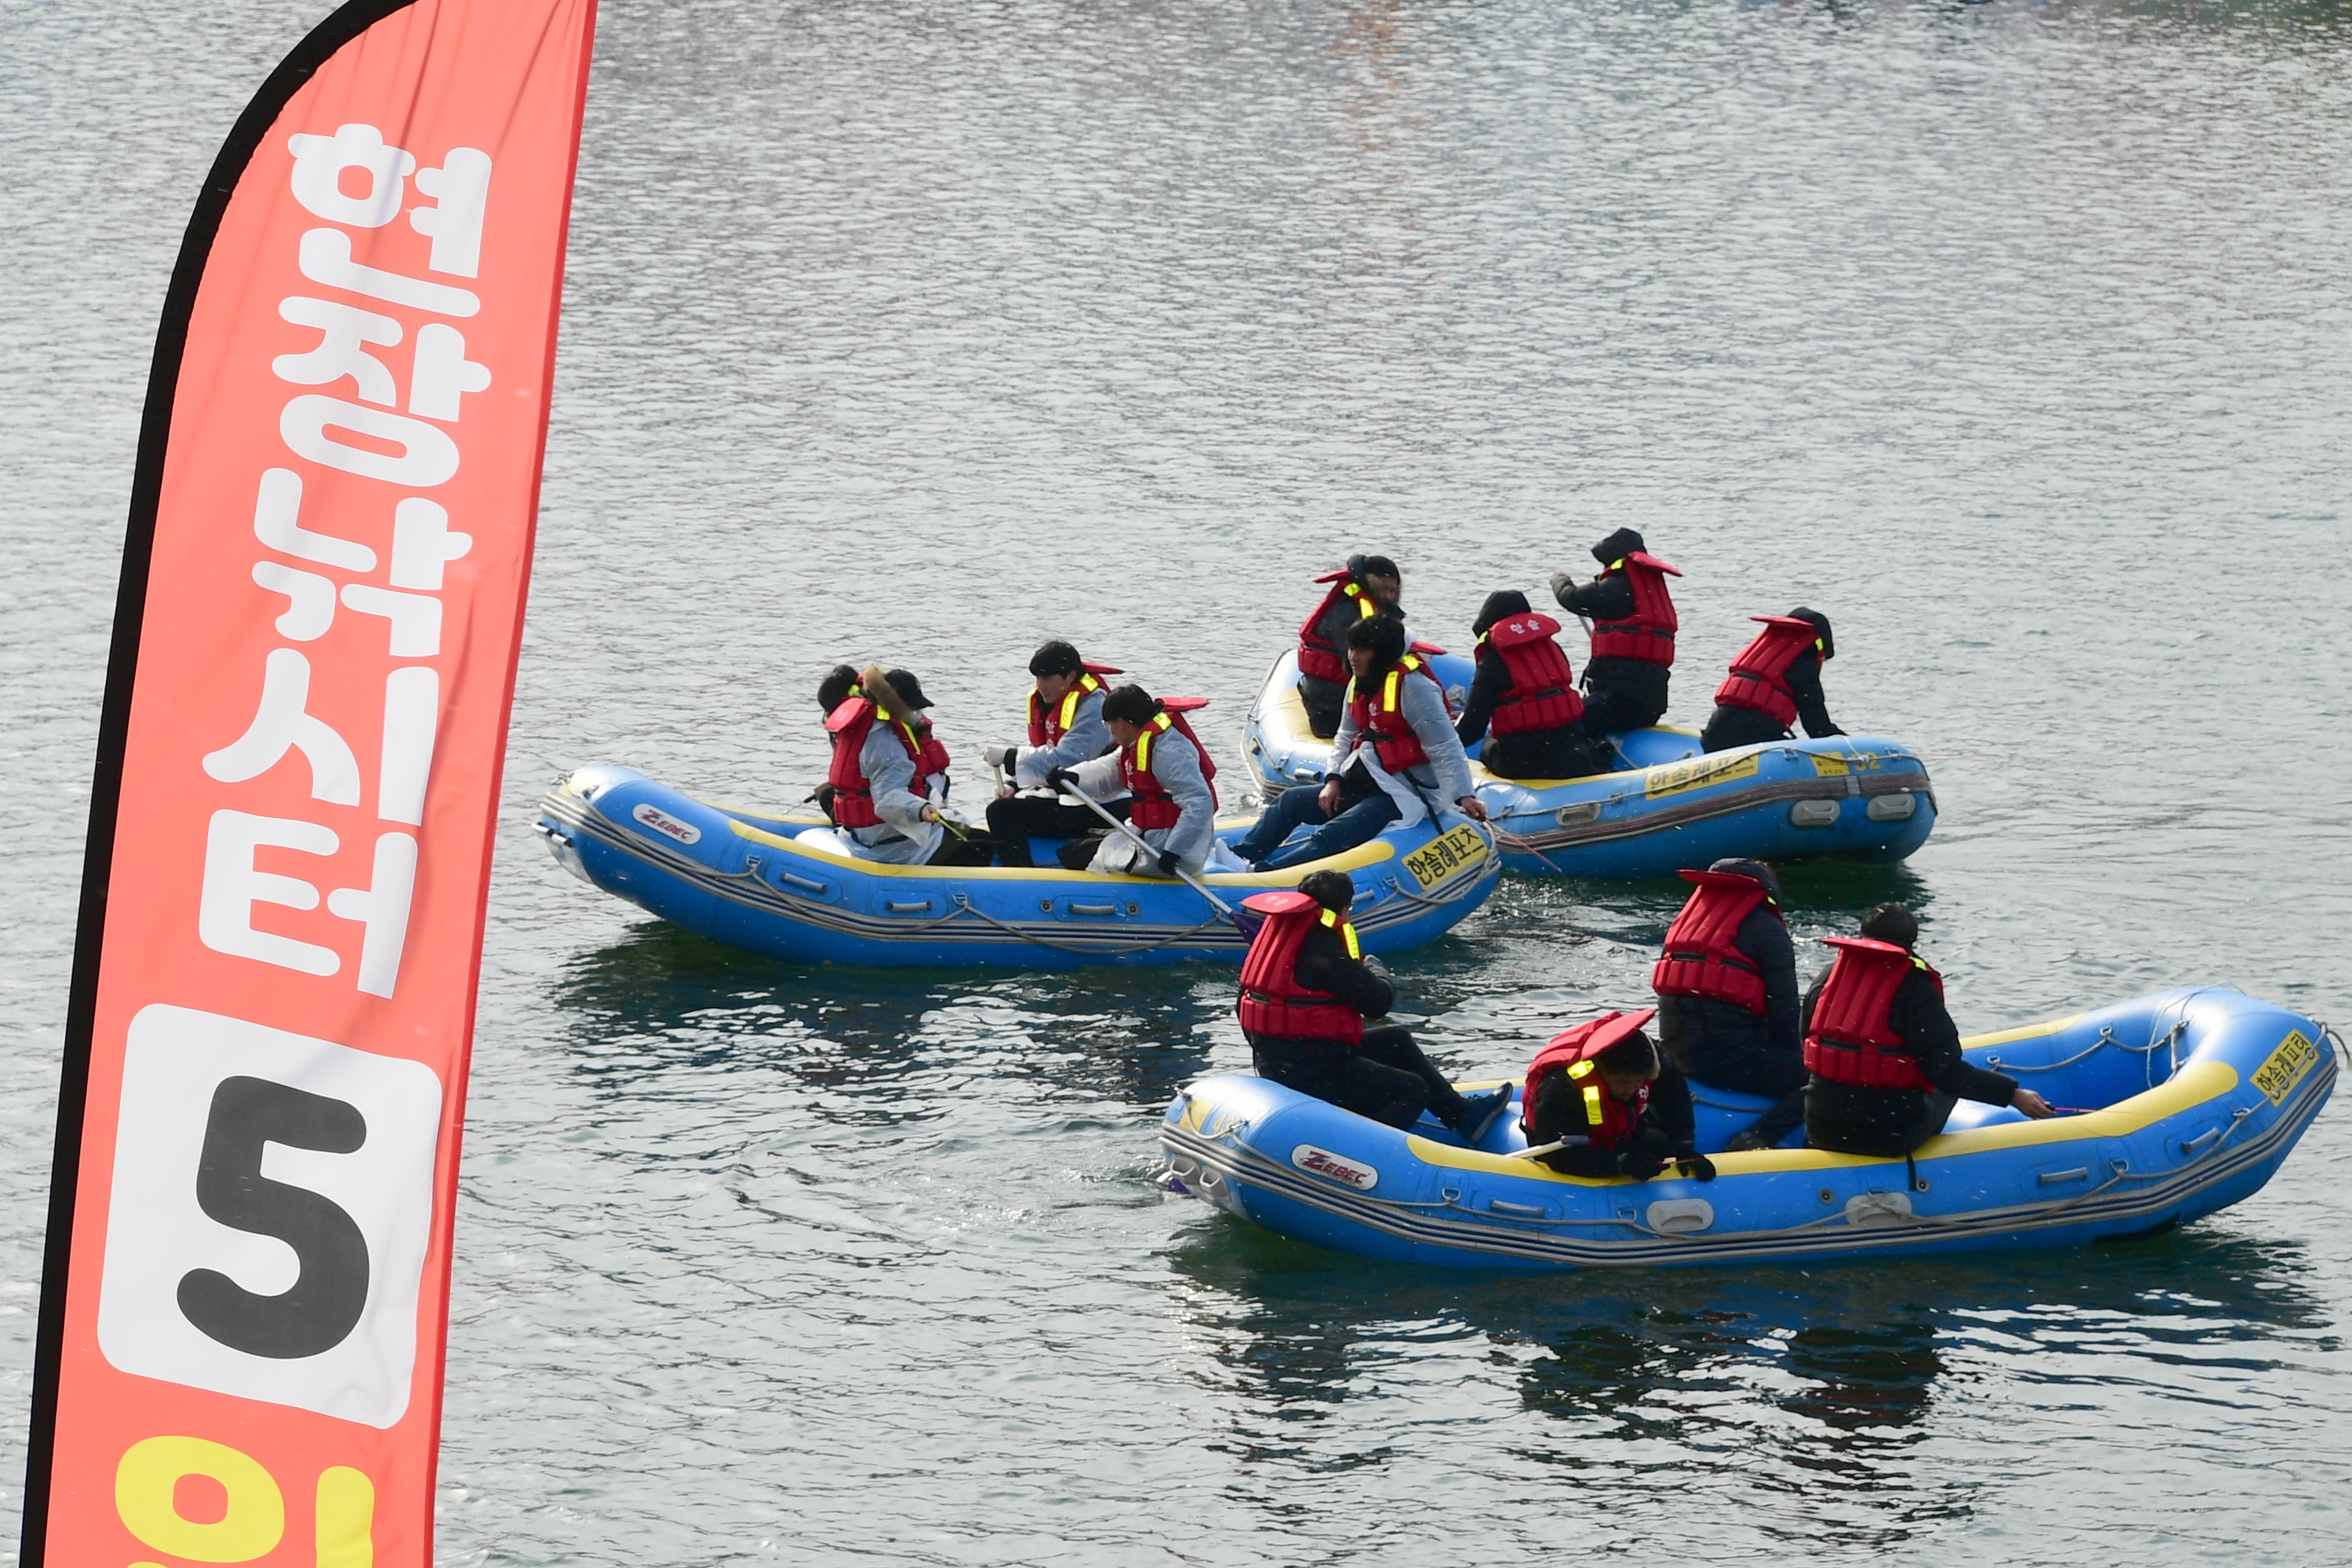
(1621, 694)
(1322, 699)
(1732, 726)
(1018, 819)
(1566, 752)
(973, 849)
(1386, 1077)
(1887, 1122)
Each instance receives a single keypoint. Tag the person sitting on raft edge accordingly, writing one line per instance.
(1306, 994)
(1884, 1053)
(886, 768)
(1775, 682)
(1633, 626)
(1727, 1001)
(1168, 776)
(1614, 1104)
(1395, 759)
(1523, 700)
(1365, 587)
(1066, 728)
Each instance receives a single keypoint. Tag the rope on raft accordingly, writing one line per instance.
(964, 906)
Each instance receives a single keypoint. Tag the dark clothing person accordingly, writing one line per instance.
(1668, 1128)
(1566, 751)
(1620, 694)
(1731, 726)
(1891, 1122)
(1727, 1047)
(1386, 1077)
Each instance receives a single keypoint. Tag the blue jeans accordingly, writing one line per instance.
(1294, 808)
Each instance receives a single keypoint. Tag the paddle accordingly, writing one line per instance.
(1072, 792)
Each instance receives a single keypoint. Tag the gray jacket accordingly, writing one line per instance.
(1422, 791)
(1088, 737)
(904, 839)
(1177, 767)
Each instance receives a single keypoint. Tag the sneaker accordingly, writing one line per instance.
(1480, 1112)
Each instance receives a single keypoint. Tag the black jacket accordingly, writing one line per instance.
(1324, 965)
(1605, 598)
(1879, 1121)
(1669, 1126)
(1706, 1038)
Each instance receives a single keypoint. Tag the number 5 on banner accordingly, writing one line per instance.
(251, 1522)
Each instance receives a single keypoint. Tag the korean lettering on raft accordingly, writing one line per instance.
(318, 572)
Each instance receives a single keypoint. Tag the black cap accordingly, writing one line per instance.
(910, 691)
(1820, 624)
(1618, 546)
(1755, 870)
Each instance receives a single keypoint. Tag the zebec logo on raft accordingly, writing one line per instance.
(669, 827)
(1323, 1163)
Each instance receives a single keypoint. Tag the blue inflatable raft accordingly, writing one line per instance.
(2190, 1100)
(1671, 807)
(751, 881)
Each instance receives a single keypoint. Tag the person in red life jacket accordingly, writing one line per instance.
(1523, 700)
(1633, 626)
(1775, 682)
(1618, 1107)
(1066, 728)
(1395, 759)
(1307, 992)
(831, 693)
(1368, 585)
(1165, 771)
(1884, 1054)
(1728, 999)
(884, 761)
(933, 760)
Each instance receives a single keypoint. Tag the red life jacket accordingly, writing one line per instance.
(1851, 1040)
(1152, 806)
(1273, 1003)
(1760, 672)
(1047, 726)
(1699, 959)
(1648, 634)
(1318, 654)
(932, 758)
(1609, 1123)
(853, 794)
(1392, 737)
(1543, 693)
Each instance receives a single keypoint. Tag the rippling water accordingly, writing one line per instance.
(2013, 336)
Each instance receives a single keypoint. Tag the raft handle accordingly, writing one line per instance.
(812, 884)
(1077, 909)
(555, 833)
(2051, 1178)
(908, 906)
(1523, 1211)
(2197, 1145)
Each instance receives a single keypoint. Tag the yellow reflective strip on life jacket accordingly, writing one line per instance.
(1143, 752)
(1389, 693)
(1069, 706)
(1332, 921)
(1581, 1069)
(1593, 1113)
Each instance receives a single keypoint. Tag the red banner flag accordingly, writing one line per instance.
(246, 1292)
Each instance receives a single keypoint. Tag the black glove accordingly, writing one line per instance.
(1062, 779)
(1696, 1166)
(1640, 1164)
(1169, 862)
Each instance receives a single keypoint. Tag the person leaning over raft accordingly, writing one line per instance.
(1307, 991)
(1884, 1053)
(1775, 682)
(1395, 759)
(1523, 700)
(881, 779)
(1364, 588)
(1633, 627)
(1619, 1108)
(1066, 728)
(1726, 985)
(1166, 772)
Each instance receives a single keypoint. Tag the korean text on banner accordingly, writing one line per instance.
(246, 1286)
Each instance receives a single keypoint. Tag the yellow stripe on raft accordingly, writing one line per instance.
(2192, 1085)
(1370, 853)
